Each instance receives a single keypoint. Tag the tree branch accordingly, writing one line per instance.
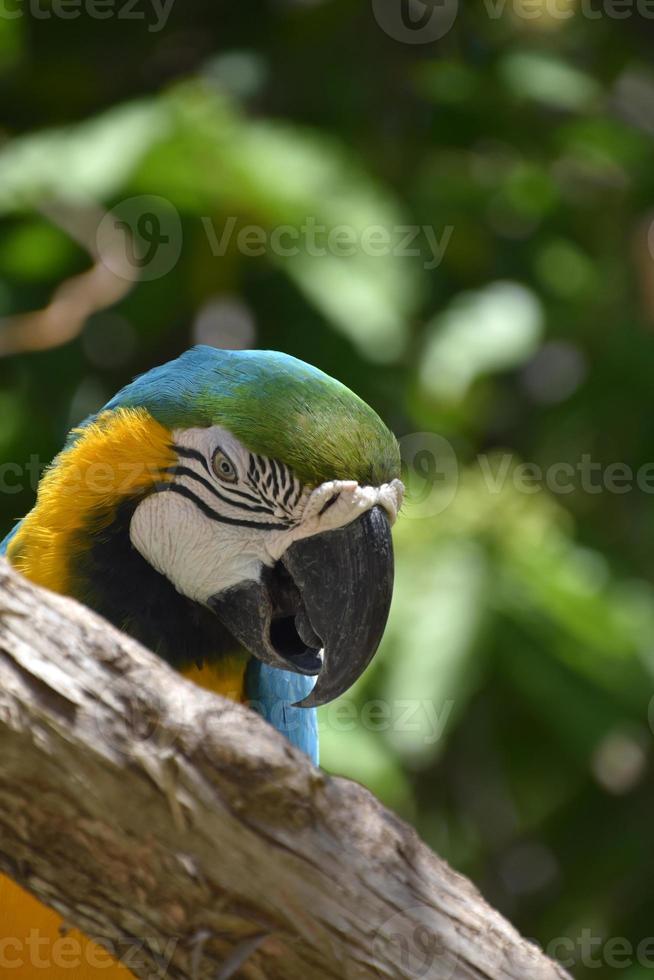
(143, 808)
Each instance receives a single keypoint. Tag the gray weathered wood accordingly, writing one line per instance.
(142, 807)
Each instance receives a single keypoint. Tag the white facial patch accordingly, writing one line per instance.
(226, 512)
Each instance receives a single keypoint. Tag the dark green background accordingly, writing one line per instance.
(528, 617)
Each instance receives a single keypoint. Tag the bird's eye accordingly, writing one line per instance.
(223, 467)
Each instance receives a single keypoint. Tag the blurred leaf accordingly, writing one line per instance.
(35, 250)
(440, 602)
(565, 269)
(602, 141)
(544, 78)
(491, 330)
(78, 163)
(528, 190)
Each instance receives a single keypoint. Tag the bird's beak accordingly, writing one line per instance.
(322, 609)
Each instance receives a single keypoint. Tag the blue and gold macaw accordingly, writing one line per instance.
(232, 511)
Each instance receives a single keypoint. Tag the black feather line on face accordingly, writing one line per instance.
(330, 503)
(275, 477)
(192, 475)
(258, 484)
(298, 494)
(287, 495)
(241, 493)
(187, 453)
(253, 470)
(213, 515)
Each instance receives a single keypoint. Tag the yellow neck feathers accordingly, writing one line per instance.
(121, 453)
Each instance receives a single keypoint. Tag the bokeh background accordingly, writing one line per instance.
(517, 671)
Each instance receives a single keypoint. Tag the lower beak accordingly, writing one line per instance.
(322, 609)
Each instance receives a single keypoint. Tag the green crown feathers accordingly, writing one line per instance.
(277, 406)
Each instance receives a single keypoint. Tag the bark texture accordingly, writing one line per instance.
(155, 815)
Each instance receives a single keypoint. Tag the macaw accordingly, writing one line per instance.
(232, 511)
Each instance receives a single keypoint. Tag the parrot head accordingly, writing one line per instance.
(228, 499)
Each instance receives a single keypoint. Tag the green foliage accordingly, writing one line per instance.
(508, 713)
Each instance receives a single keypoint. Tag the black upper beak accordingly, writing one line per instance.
(331, 592)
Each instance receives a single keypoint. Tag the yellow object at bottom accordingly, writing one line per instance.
(35, 944)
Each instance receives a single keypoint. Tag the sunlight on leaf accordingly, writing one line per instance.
(79, 162)
(491, 330)
(547, 79)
